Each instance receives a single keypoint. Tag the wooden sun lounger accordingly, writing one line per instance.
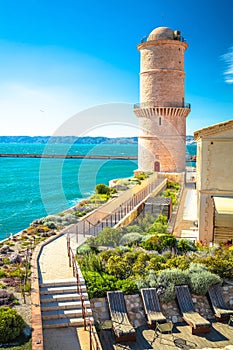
(122, 328)
(198, 323)
(152, 307)
(221, 311)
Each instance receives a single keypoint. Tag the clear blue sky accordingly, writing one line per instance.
(60, 57)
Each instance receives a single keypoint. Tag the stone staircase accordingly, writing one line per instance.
(61, 304)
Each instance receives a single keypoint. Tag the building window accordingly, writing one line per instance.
(160, 121)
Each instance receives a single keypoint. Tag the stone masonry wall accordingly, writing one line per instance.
(136, 312)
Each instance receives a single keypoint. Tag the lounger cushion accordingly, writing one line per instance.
(121, 326)
(195, 319)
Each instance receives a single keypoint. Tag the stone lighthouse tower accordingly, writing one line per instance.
(162, 110)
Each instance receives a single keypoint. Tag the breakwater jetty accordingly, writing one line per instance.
(76, 156)
(65, 156)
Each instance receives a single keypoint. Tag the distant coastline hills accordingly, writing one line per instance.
(75, 139)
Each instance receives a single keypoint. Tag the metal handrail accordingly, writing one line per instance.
(73, 264)
(86, 317)
(95, 345)
(152, 37)
(152, 104)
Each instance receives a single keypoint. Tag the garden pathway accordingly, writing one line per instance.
(187, 214)
(54, 262)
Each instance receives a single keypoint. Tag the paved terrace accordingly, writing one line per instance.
(220, 336)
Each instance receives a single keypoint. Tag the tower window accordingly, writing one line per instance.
(160, 121)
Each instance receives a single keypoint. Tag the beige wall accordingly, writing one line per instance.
(162, 72)
(163, 129)
(214, 176)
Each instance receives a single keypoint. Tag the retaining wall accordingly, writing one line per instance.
(136, 312)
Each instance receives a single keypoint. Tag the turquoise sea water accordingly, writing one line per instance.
(33, 188)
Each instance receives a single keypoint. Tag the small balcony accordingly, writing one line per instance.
(153, 105)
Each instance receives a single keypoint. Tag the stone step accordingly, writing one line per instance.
(64, 305)
(61, 289)
(61, 282)
(63, 322)
(61, 297)
(57, 314)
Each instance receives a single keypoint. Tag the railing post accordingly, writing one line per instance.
(90, 336)
(68, 248)
(76, 232)
(83, 228)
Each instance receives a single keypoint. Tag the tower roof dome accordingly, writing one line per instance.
(161, 33)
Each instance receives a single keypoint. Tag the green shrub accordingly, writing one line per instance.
(17, 272)
(133, 228)
(127, 286)
(117, 267)
(84, 249)
(27, 287)
(220, 264)
(173, 185)
(159, 242)
(159, 226)
(156, 263)
(175, 276)
(130, 258)
(149, 281)
(6, 261)
(162, 219)
(98, 284)
(98, 198)
(2, 273)
(11, 324)
(169, 193)
(91, 262)
(68, 219)
(131, 238)
(141, 176)
(181, 262)
(200, 279)
(140, 264)
(106, 254)
(168, 279)
(109, 237)
(124, 248)
(186, 245)
(145, 222)
(167, 241)
(102, 189)
(151, 243)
